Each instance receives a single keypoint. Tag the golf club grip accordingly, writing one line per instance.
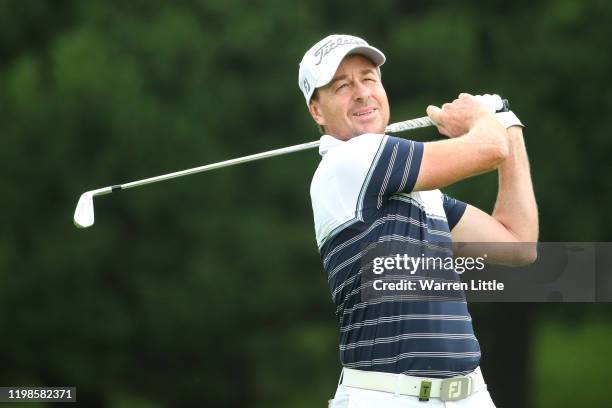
(425, 121)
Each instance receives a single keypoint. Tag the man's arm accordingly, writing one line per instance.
(515, 215)
(479, 143)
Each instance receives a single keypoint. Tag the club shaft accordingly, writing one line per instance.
(226, 163)
(393, 128)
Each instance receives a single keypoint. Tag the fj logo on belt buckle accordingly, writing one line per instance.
(454, 389)
(425, 391)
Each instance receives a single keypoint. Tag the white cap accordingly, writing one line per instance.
(321, 61)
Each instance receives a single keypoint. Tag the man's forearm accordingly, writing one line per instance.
(516, 206)
(481, 150)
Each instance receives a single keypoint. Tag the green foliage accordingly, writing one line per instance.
(208, 290)
(588, 342)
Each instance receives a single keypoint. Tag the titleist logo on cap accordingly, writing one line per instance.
(331, 45)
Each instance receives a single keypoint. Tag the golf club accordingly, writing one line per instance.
(84, 213)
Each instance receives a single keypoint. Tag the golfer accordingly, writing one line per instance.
(371, 188)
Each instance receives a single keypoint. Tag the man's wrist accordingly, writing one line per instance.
(484, 118)
(515, 132)
(487, 127)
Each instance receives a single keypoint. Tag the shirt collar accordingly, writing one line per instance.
(327, 143)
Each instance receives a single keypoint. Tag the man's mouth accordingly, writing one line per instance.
(364, 112)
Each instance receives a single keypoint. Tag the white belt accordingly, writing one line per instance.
(447, 389)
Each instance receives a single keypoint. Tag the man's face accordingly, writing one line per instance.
(354, 102)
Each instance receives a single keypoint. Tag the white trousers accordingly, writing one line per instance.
(351, 397)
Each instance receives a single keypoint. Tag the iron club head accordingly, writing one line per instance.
(84, 213)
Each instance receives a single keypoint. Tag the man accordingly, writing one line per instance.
(373, 189)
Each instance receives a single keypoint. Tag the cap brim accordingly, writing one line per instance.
(372, 53)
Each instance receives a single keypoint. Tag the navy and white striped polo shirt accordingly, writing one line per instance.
(362, 194)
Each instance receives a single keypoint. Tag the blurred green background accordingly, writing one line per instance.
(208, 290)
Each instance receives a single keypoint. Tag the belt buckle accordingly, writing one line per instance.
(456, 388)
(425, 391)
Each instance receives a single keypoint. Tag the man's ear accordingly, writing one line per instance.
(315, 112)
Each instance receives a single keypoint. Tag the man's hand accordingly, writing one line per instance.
(457, 118)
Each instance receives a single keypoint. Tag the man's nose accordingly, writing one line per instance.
(361, 91)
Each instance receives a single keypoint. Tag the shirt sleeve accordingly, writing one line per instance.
(394, 170)
(454, 210)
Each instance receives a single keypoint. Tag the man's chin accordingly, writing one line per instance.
(362, 130)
